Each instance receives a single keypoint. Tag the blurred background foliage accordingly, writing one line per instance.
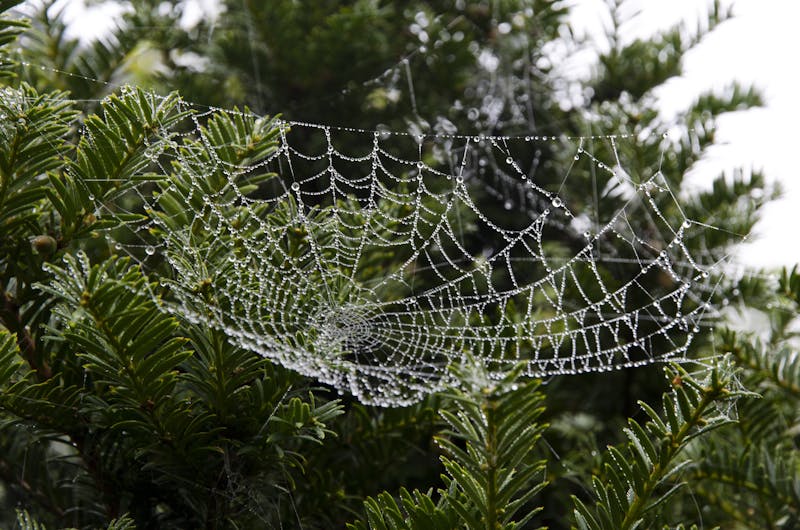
(110, 407)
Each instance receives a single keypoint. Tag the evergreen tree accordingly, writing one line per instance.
(116, 414)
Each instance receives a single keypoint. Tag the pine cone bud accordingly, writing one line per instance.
(44, 245)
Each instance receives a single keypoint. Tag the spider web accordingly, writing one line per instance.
(374, 261)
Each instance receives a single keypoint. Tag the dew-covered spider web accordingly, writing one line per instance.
(375, 261)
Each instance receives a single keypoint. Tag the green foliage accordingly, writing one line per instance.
(113, 390)
(638, 67)
(9, 358)
(109, 405)
(26, 522)
(32, 143)
(487, 455)
(125, 346)
(745, 475)
(642, 477)
(148, 407)
(10, 29)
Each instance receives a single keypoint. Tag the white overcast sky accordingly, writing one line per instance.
(759, 45)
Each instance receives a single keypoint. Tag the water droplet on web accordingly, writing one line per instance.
(349, 323)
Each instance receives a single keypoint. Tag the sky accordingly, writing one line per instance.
(757, 46)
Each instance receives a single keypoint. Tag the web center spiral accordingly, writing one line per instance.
(348, 332)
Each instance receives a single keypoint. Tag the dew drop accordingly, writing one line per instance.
(507, 205)
(557, 202)
(295, 186)
(509, 160)
(149, 250)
